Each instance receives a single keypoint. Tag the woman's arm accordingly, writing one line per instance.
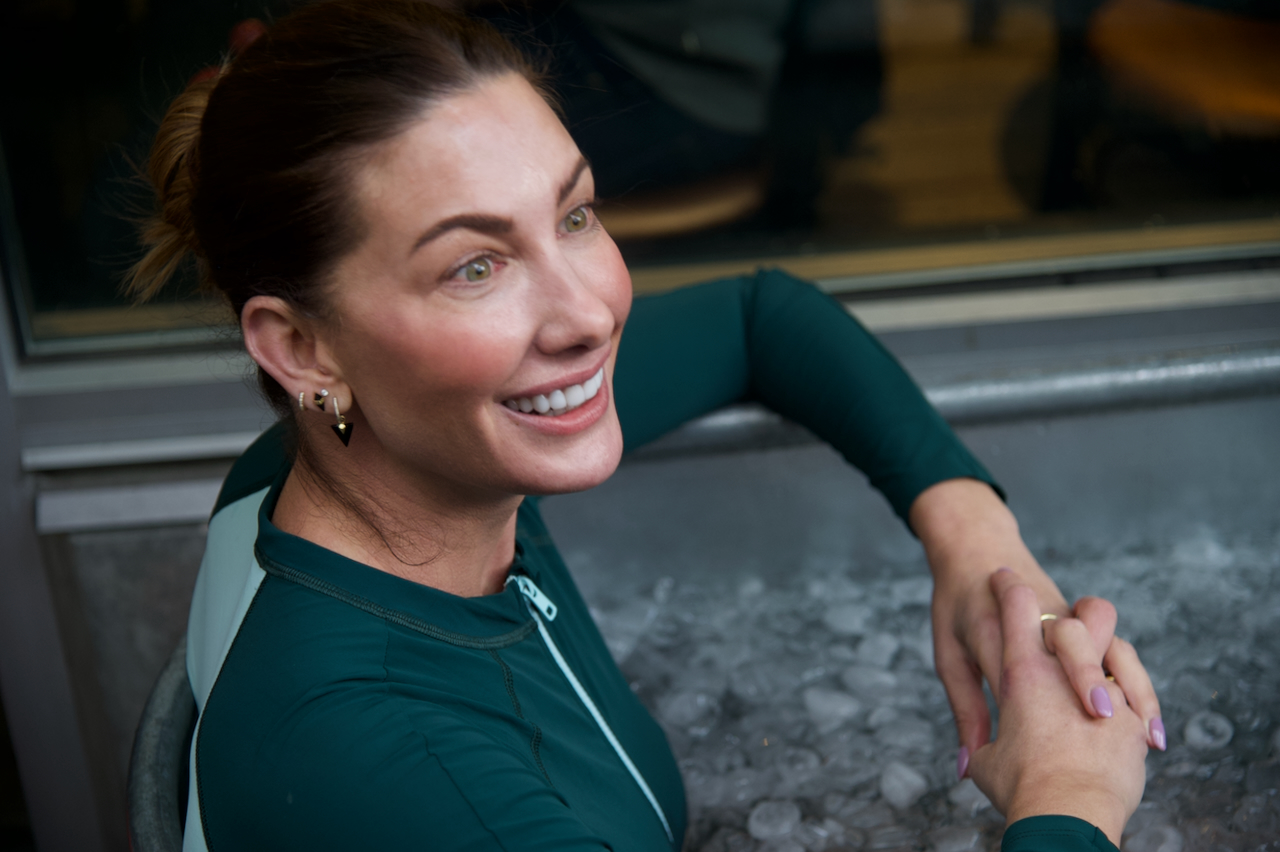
(772, 338)
(780, 341)
(1050, 757)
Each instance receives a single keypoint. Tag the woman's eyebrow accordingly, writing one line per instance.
(471, 221)
(493, 224)
(568, 185)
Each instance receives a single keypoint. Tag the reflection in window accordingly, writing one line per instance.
(735, 130)
(86, 83)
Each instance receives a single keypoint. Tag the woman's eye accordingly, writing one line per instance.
(478, 269)
(577, 220)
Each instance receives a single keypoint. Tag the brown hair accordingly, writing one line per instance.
(252, 168)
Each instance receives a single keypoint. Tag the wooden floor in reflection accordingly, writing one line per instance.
(933, 157)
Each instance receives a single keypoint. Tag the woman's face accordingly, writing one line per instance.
(485, 292)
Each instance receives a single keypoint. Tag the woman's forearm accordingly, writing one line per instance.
(968, 533)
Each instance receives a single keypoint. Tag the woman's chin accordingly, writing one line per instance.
(585, 468)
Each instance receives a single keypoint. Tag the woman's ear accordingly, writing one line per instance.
(288, 346)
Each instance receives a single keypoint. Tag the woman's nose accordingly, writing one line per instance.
(577, 309)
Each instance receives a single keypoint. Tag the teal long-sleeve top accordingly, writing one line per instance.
(345, 708)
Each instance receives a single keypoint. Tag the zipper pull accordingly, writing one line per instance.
(536, 597)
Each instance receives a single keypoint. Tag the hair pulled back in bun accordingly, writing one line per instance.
(252, 169)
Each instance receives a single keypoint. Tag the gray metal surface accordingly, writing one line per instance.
(1155, 380)
(1010, 394)
(39, 698)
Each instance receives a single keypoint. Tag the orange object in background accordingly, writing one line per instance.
(1213, 69)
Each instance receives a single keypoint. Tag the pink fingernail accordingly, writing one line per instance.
(1101, 702)
(962, 762)
(1004, 570)
(1158, 737)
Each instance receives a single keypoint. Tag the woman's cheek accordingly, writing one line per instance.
(476, 349)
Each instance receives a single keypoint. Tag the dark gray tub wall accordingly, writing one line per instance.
(122, 598)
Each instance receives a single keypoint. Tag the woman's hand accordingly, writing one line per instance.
(1049, 756)
(968, 533)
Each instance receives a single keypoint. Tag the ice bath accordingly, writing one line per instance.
(784, 643)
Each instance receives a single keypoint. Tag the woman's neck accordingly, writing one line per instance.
(461, 547)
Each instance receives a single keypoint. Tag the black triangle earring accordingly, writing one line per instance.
(342, 428)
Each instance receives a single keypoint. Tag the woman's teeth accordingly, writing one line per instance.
(561, 400)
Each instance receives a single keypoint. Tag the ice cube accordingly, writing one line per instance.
(881, 716)
(869, 684)
(1154, 838)
(878, 650)
(967, 798)
(848, 619)
(800, 773)
(954, 839)
(772, 820)
(830, 708)
(892, 837)
(687, 709)
(901, 785)
(1208, 730)
(909, 732)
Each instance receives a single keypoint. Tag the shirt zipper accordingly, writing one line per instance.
(539, 605)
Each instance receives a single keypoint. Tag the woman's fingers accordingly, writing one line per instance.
(1019, 619)
(1099, 616)
(1131, 676)
(1049, 756)
(1073, 644)
(1082, 662)
(963, 683)
(967, 647)
(1088, 650)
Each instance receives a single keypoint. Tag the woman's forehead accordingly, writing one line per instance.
(496, 140)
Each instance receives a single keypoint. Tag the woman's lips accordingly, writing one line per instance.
(569, 421)
(559, 401)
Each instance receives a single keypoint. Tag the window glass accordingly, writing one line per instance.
(848, 140)
(86, 82)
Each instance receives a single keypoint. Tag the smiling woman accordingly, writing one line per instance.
(484, 279)
(384, 644)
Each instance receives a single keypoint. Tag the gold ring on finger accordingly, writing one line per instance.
(1046, 616)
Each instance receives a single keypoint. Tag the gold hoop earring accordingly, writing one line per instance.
(342, 428)
(302, 400)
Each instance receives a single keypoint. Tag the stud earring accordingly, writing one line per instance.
(342, 428)
(320, 397)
